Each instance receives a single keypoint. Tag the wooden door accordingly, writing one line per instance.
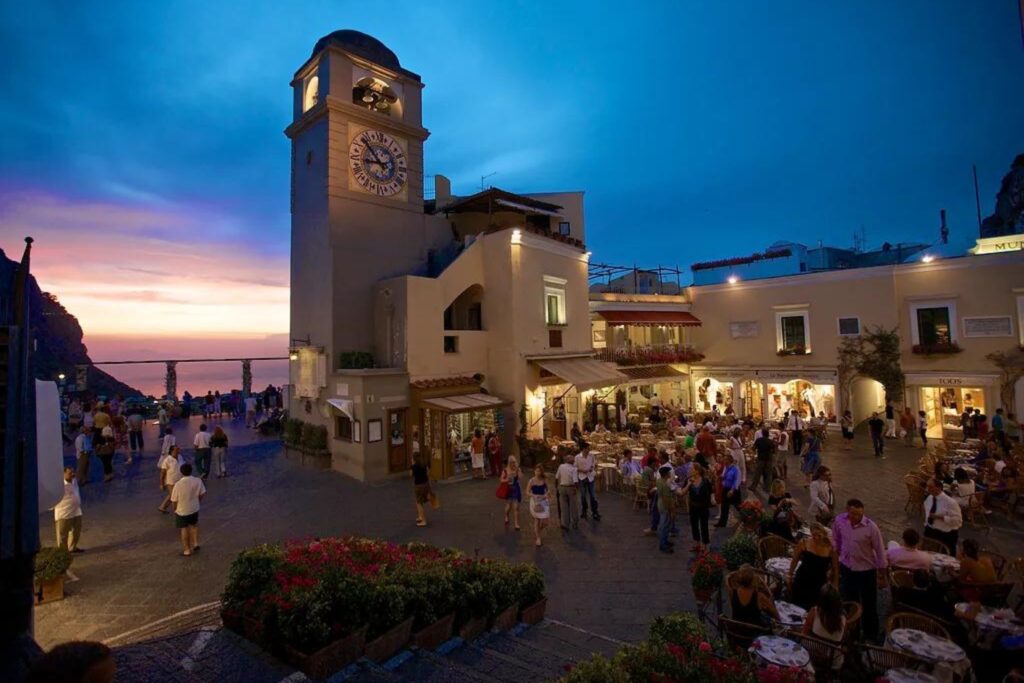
(398, 441)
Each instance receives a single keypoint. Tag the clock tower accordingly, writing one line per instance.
(356, 188)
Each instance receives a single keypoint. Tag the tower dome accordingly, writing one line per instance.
(362, 45)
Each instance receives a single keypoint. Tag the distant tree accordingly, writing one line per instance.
(1011, 369)
(874, 354)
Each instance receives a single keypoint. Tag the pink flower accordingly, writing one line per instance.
(705, 647)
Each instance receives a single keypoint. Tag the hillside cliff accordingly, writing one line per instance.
(58, 337)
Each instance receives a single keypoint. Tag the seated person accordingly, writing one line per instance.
(964, 486)
(1000, 485)
(682, 466)
(827, 620)
(627, 466)
(778, 492)
(974, 569)
(750, 600)
(908, 555)
(784, 520)
(942, 473)
(927, 596)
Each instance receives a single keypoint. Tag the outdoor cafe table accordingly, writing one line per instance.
(989, 625)
(667, 445)
(951, 663)
(609, 473)
(945, 567)
(780, 651)
(790, 614)
(778, 566)
(908, 676)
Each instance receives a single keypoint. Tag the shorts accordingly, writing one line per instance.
(422, 493)
(847, 434)
(182, 521)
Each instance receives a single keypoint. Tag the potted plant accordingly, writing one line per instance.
(739, 550)
(251, 574)
(431, 602)
(292, 437)
(324, 628)
(502, 581)
(475, 599)
(390, 625)
(531, 599)
(751, 515)
(706, 575)
(50, 567)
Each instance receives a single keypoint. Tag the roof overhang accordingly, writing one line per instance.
(649, 373)
(585, 373)
(465, 403)
(650, 317)
(344, 406)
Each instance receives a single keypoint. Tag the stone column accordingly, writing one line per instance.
(246, 378)
(171, 381)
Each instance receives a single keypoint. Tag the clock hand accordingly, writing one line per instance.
(370, 147)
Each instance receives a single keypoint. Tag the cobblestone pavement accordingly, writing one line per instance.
(600, 578)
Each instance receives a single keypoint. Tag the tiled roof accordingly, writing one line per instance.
(437, 382)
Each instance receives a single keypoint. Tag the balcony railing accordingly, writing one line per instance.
(651, 355)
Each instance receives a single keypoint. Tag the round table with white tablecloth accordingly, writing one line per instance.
(945, 567)
(779, 566)
(908, 676)
(950, 660)
(987, 625)
(780, 651)
(790, 614)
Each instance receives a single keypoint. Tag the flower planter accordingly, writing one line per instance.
(329, 659)
(50, 591)
(232, 622)
(534, 614)
(384, 647)
(431, 637)
(472, 628)
(256, 631)
(506, 619)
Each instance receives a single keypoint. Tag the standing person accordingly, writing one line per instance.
(202, 446)
(568, 494)
(666, 509)
(698, 491)
(765, 449)
(421, 488)
(735, 445)
(218, 409)
(250, 411)
(922, 428)
(967, 424)
(815, 565)
(811, 458)
(908, 425)
(494, 452)
(105, 444)
(846, 424)
(586, 471)
(67, 515)
(796, 427)
(706, 447)
(862, 563)
(1012, 428)
(170, 473)
(476, 454)
(74, 415)
(823, 498)
(540, 505)
(135, 442)
(169, 441)
(514, 497)
(163, 419)
(942, 517)
(185, 495)
(890, 420)
(876, 427)
(780, 468)
(219, 449)
(83, 451)
(731, 491)
(208, 405)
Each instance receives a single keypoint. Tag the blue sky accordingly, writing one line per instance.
(698, 130)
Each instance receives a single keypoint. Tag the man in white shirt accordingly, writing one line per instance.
(908, 555)
(942, 517)
(568, 494)
(586, 471)
(67, 515)
(170, 473)
(202, 445)
(185, 495)
(796, 427)
(250, 411)
(163, 419)
(169, 442)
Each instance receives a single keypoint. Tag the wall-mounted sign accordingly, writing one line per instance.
(997, 245)
(990, 326)
(744, 328)
(929, 380)
(790, 375)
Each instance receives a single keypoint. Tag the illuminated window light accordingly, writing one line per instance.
(517, 236)
(928, 258)
(733, 279)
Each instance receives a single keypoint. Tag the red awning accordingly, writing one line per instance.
(676, 318)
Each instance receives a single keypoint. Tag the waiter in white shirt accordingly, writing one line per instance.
(796, 427)
(586, 471)
(942, 517)
(568, 494)
(67, 514)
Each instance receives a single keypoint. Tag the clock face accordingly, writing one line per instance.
(378, 163)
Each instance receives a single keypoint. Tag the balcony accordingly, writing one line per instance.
(650, 355)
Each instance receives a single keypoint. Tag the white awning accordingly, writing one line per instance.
(465, 402)
(585, 373)
(523, 207)
(344, 405)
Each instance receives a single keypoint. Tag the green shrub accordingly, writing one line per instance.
(293, 431)
(430, 593)
(251, 574)
(387, 607)
(529, 582)
(681, 627)
(314, 437)
(739, 550)
(355, 360)
(598, 669)
(51, 563)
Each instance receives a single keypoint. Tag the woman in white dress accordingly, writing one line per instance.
(540, 505)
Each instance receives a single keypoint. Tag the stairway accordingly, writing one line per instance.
(536, 653)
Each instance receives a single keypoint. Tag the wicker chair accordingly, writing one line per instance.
(772, 582)
(740, 634)
(988, 594)
(916, 493)
(999, 562)
(932, 546)
(878, 660)
(853, 612)
(773, 546)
(974, 512)
(640, 499)
(825, 655)
(916, 621)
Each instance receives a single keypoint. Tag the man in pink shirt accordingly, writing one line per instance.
(908, 555)
(862, 564)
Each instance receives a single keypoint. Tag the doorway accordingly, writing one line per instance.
(398, 449)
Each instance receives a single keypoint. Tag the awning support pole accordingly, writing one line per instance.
(545, 411)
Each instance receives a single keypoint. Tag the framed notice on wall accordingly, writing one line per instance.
(374, 430)
(357, 432)
(744, 328)
(988, 326)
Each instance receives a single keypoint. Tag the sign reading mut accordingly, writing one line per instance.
(996, 245)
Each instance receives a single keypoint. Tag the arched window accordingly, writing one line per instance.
(311, 94)
(376, 95)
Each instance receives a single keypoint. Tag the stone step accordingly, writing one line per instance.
(550, 647)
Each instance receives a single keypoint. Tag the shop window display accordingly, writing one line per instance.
(944, 405)
(809, 398)
(711, 392)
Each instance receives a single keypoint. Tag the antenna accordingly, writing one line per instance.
(974, 170)
(485, 177)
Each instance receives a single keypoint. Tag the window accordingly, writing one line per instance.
(311, 93)
(554, 300)
(849, 327)
(933, 326)
(451, 344)
(564, 228)
(555, 339)
(343, 428)
(793, 332)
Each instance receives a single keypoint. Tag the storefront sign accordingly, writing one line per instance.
(789, 375)
(744, 328)
(952, 380)
(997, 245)
(994, 326)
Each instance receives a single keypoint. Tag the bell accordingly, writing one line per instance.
(368, 96)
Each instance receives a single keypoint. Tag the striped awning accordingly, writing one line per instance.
(651, 373)
(465, 403)
(585, 373)
(673, 318)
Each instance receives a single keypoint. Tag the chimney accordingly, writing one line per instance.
(943, 230)
(442, 190)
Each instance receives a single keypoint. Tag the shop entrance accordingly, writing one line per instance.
(398, 451)
(752, 400)
(944, 405)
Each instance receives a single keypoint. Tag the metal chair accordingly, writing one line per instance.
(916, 493)
(640, 499)
(825, 655)
(738, 634)
(974, 511)
(878, 660)
(916, 621)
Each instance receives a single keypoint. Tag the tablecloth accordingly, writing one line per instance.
(781, 651)
(951, 663)
(790, 614)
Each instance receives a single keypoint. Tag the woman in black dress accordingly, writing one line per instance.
(815, 563)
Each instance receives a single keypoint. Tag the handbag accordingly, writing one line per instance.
(435, 502)
(502, 490)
